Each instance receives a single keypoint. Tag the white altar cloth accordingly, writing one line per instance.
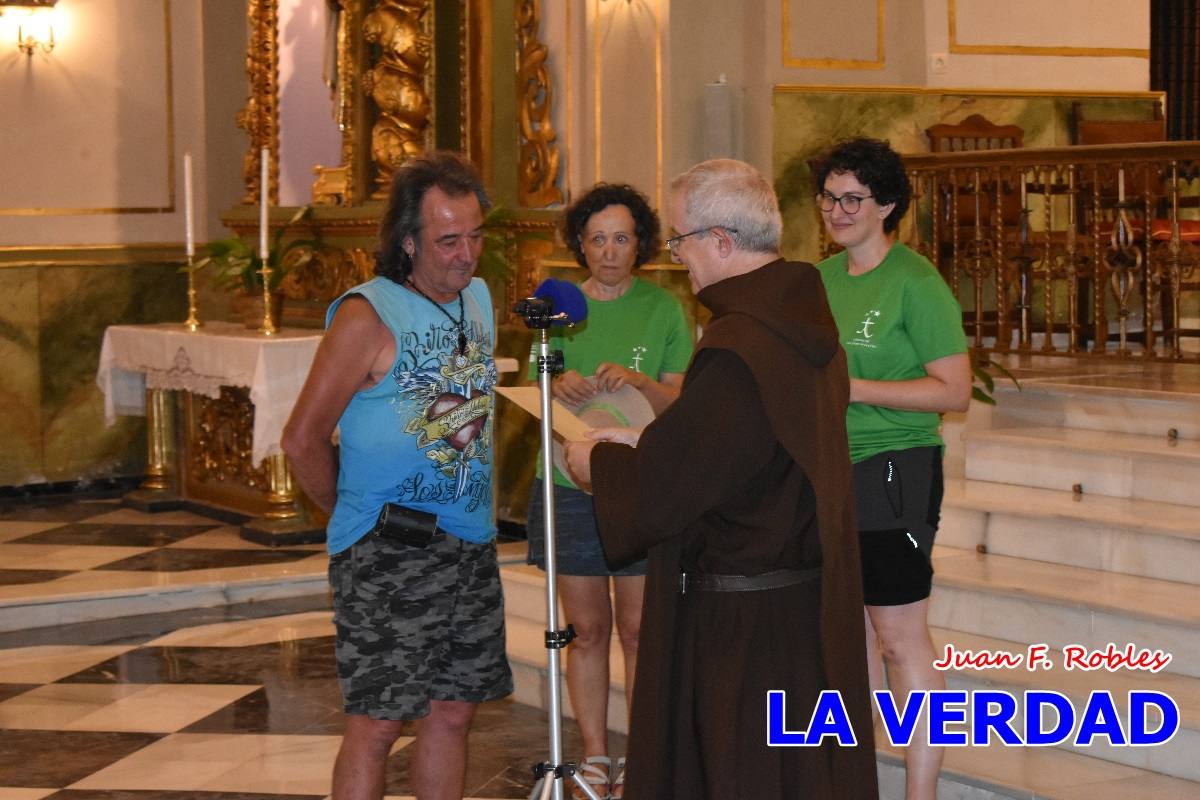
(134, 358)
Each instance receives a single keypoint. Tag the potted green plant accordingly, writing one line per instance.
(983, 385)
(236, 267)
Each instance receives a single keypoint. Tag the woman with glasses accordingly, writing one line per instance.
(901, 328)
(635, 334)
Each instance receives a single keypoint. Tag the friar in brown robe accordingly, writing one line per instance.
(746, 474)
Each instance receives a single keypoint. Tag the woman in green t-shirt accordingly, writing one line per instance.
(635, 334)
(902, 332)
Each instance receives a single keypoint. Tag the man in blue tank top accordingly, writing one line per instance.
(405, 373)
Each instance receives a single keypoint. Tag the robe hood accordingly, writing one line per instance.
(786, 297)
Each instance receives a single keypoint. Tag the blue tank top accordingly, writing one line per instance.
(422, 436)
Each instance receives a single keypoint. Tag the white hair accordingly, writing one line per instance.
(724, 193)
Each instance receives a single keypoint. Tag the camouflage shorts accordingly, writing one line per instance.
(418, 624)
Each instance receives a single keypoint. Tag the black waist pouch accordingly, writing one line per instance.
(405, 525)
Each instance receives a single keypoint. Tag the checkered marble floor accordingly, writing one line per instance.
(230, 702)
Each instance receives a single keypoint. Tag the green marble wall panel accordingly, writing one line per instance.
(76, 304)
(20, 388)
(807, 122)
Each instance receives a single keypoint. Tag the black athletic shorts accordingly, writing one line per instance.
(898, 495)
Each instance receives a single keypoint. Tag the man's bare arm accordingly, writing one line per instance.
(342, 366)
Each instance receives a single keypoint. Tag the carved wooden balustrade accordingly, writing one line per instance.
(1070, 250)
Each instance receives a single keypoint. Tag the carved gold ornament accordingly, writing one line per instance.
(537, 171)
(396, 82)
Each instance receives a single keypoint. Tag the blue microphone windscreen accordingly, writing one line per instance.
(566, 297)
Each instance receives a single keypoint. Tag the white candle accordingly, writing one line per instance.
(264, 191)
(1024, 205)
(1120, 184)
(187, 204)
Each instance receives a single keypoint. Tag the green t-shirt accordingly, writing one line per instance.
(892, 321)
(644, 330)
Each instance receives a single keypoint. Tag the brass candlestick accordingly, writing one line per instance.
(268, 325)
(192, 323)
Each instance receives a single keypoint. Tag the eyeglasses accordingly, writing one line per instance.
(850, 203)
(674, 241)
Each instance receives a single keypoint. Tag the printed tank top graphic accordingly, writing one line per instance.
(446, 397)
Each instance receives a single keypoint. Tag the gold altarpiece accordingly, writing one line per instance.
(411, 75)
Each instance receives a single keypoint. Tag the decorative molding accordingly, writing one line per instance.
(399, 84)
(1032, 50)
(221, 437)
(260, 117)
(325, 274)
(343, 184)
(537, 168)
(477, 103)
(832, 63)
(100, 255)
(800, 88)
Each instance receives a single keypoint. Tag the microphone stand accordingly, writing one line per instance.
(551, 774)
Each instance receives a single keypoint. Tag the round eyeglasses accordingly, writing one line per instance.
(674, 241)
(850, 203)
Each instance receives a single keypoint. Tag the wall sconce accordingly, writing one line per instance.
(33, 21)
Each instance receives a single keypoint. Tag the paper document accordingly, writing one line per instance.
(565, 424)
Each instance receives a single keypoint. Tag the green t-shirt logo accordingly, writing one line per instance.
(639, 353)
(864, 330)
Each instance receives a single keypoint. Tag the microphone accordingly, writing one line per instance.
(565, 298)
(554, 302)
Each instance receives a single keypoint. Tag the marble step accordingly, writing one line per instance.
(1114, 534)
(1174, 758)
(525, 593)
(1033, 601)
(1112, 464)
(1114, 407)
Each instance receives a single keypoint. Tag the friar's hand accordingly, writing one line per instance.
(629, 436)
(579, 463)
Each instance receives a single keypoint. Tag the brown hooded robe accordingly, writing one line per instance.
(747, 472)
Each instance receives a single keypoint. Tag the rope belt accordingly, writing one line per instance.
(777, 579)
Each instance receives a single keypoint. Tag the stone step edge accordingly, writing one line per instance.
(1048, 595)
(64, 609)
(1056, 386)
(1115, 443)
(1113, 512)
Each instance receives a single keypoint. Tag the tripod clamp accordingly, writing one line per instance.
(552, 363)
(557, 640)
(564, 771)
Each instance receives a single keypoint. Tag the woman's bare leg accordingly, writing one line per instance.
(903, 633)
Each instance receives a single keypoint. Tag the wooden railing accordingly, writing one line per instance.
(1071, 250)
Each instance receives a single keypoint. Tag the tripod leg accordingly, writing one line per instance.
(543, 787)
(587, 787)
